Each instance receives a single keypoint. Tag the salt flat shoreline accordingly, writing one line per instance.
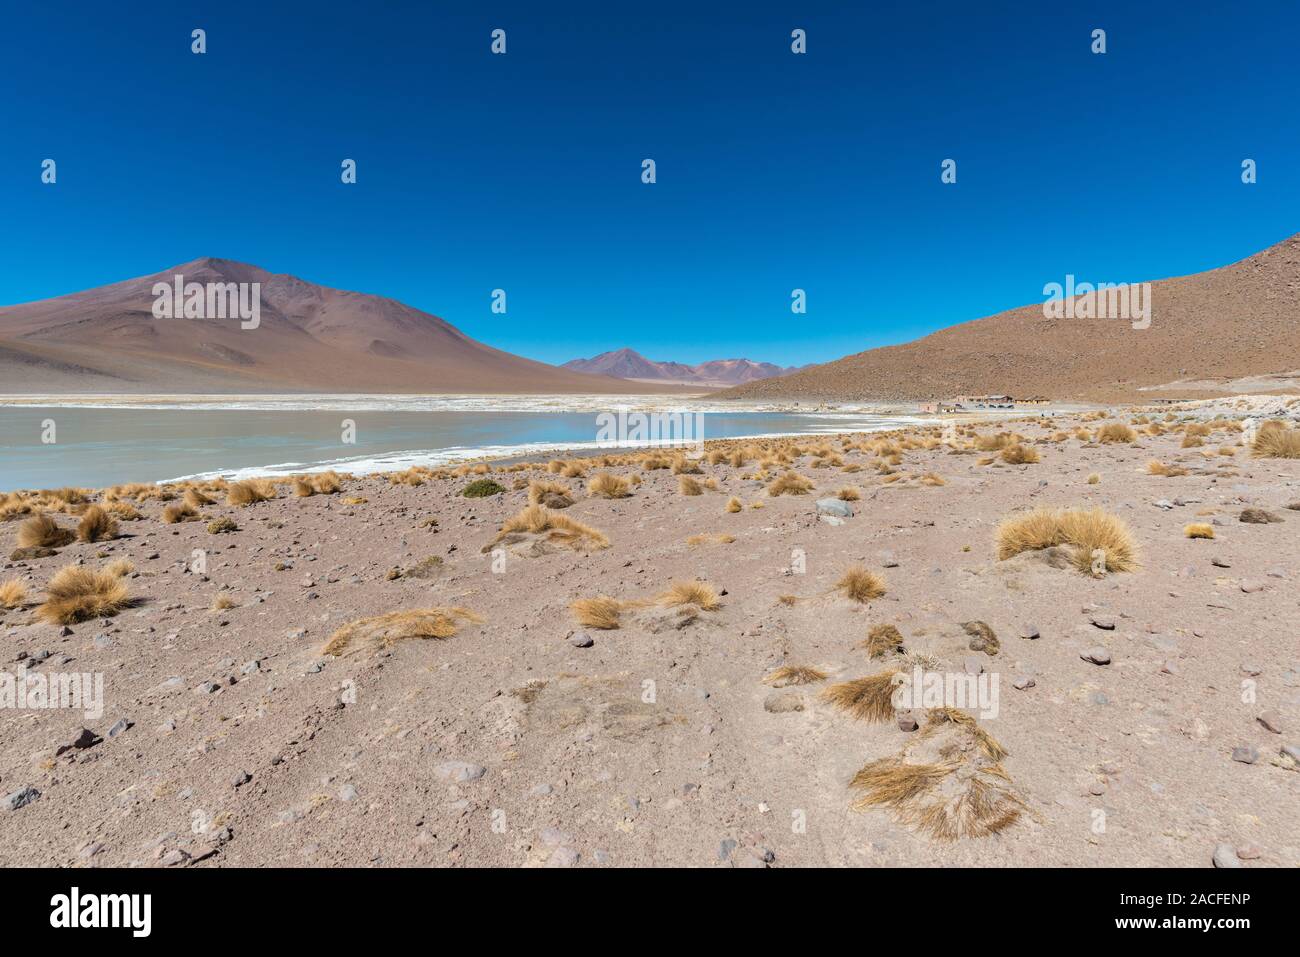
(531, 739)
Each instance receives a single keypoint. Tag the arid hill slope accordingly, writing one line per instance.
(311, 338)
(1206, 330)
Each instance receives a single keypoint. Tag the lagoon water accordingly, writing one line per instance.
(96, 445)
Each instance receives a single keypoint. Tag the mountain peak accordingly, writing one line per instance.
(627, 363)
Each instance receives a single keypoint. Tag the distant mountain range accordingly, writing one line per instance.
(308, 338)
(629, 364)
(1235, 327)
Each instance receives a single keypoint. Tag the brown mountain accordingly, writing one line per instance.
(310, 338)
(1238, 322)
(630, 364)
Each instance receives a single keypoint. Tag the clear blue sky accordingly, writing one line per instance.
(775, 171)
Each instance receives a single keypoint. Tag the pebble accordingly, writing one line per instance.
(1249, 852)
(1029, 631)
(1105, 622)
(20, 798)
(1250, 668)
(581, 640)
(562, 857)
(250, 667)
(120, 725)
(459, 771)
(1245, 753)
(554, 837)
(208, 687)
(240, 779)
(1250, 585)
(906, 722)
(1225, 855)
(347, 793)
(1098, 656)
(725, 848)
(835, 507)
(1023, 683)
(1270, 721)
(783, 702)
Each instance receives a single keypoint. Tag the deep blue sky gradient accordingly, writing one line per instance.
(775, 171)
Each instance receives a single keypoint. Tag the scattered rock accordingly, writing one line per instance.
(85, 739)
(1023, 683)
(835, 507)
(20, 798)
(120, 725)
(906, 722)
(459, 771)
(1029, 631)
(581, 640)
(1104, 622)
(1098, 656)
(782, 702)
(1271, 721)
(1258, 516)
(1225, 855)
(562, 857)
(982, 637)
(240, 779)
(1245, 753)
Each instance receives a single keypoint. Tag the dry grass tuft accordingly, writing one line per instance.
(250, 492)
(700, 594)
(1020, 455)
(384, 631)
(789, 483)
(303, 489)
(179, 512)
(41, 531)
(882, 640)
(861, 584)
(1199, 530)
(1116, 432)
(600, 612)
(77, 593)
(96, 525)
(869, 698)
(538, 519)
(1087, 530)
(948, 782)
(794, 675)
(932, 478)
(1094, 479)
(223, 602)
(714, 538)
(688, 486)
(1276, 443)
(734, 505)
(13, 594)
(196, 499)
(848, 494)
(607, 485)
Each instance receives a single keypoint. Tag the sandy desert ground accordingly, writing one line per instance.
(230, 738)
